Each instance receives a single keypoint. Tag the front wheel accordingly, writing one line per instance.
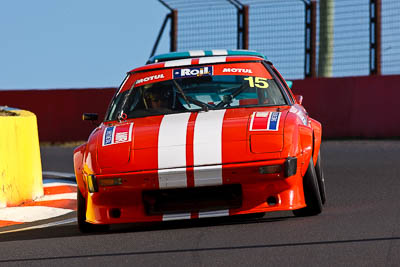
(85, 227)
(311, 193)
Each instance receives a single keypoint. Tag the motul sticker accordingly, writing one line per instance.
(265, 121)
(150, 78)
(117, 134)
(237, 70)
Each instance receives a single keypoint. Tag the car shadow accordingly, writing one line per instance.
(71, 229)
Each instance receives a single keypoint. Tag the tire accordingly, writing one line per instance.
(321, 179)
(311, 194)
(85, 227)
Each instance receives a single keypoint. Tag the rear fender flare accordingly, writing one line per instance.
(317, 138)
(78, 168)
(306, 142)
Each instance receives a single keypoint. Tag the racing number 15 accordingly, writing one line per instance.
(257, 82)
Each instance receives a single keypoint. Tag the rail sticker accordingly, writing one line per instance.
(192, 72)
(265, 121)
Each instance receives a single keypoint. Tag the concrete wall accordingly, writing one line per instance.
(59, 112)
(366, 107)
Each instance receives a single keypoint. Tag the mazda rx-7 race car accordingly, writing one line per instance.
(200, 134)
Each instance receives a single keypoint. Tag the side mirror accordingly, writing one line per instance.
(90, 116)
(299, 98)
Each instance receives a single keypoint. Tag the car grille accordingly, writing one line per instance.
(192, 199)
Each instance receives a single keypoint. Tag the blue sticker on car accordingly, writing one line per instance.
(192, 72)
(108, 136)
(274, 121)
(265, 121)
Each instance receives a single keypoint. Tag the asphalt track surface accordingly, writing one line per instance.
(360, 225)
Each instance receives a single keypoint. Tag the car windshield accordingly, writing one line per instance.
(204, 92)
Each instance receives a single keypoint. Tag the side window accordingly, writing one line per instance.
(115, 106)
(283, 83)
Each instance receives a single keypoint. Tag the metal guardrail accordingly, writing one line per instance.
(366, 36)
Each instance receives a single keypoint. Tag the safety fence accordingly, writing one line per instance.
(364, 34)
(390, 36)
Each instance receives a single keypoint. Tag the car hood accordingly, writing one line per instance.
(191, 139)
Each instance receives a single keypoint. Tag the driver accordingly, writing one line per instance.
(155, 99)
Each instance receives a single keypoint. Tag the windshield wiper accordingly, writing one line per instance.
(181, 92)
(188, 99)
(203, 106)
(227, 99)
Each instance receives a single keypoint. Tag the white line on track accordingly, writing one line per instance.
(57, 197)
(31, 213)
(66, 221)
(59, 174)
(57, 183)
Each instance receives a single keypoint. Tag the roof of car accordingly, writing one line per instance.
(202, 53)
(196, 61)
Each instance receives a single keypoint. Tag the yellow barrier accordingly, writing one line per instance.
(20, 165)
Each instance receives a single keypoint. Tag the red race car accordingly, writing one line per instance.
(200, 134)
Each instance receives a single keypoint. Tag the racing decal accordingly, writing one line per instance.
(265, 121)
(208, 60)
(192, 72)
(172, 150)
(117, 134)
(143, 78)
(197, 53)
(208, 175)
(236, 70)
(178, 62)
(202, 53)
(174, 154)
(207, 147)
(257, 82)
(172, 178)
(243, 69)
(150, 78)
(176, 216)
(201, 214)
(214, 213)
(219, 52)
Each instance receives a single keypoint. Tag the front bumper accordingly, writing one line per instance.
(189, 193)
